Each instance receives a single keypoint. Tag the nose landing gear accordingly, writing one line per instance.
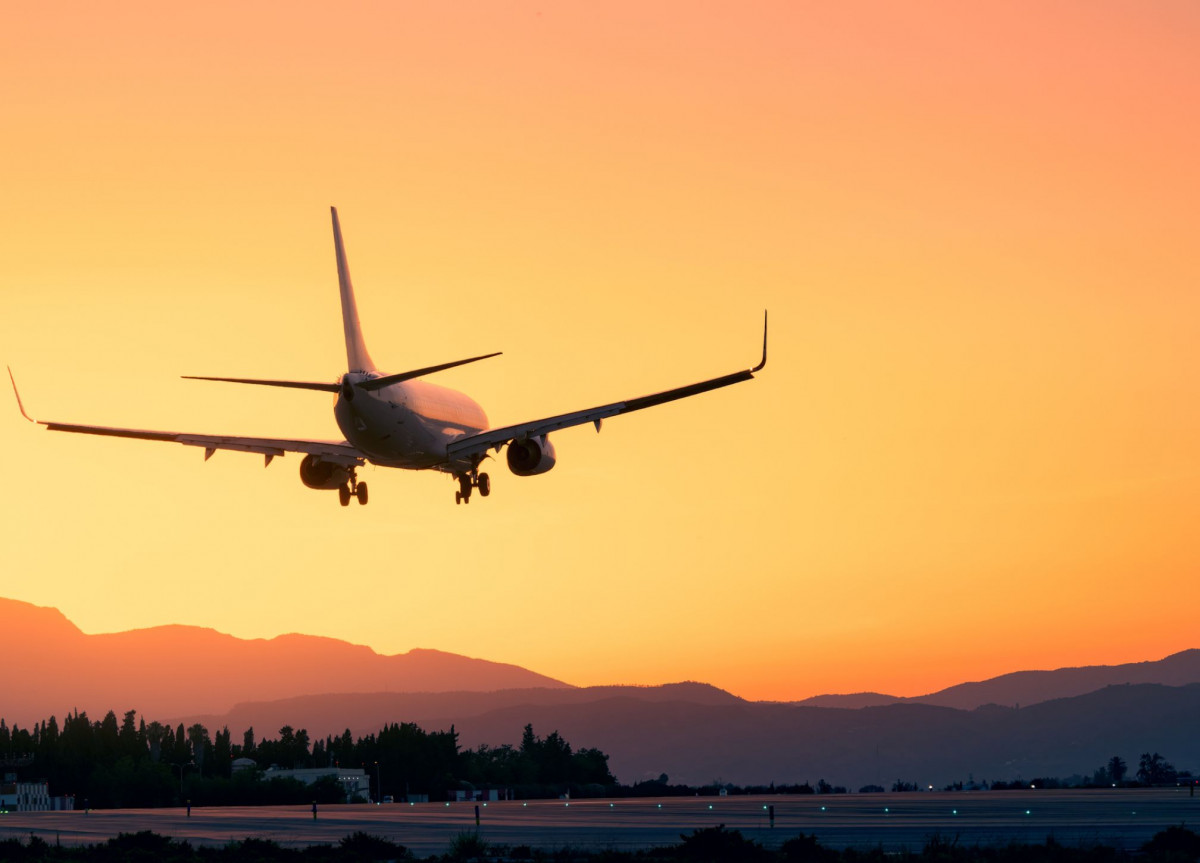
(466, 482)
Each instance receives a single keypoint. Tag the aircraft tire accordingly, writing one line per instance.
(485, 484)
(344, 495)
(361, 493)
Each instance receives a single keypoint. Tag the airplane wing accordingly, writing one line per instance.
(468, 448)
(332, 451)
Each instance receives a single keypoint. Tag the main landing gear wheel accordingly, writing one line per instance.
(463, 495)
(484, 484)
(352, 488)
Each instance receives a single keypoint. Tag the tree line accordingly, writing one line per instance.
(703, 845)
(132, 763)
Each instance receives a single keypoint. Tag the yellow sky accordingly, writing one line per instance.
(974, 448)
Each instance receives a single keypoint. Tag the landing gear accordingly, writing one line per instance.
(468, 481)
(353, 488)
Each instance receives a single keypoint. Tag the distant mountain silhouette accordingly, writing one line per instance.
(852, 701)
(697, 734)
(324, 715)
(748, 742)
(1071, 719)
(172, 670)
(1031, 687)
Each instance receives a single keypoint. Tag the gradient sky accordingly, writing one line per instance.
(976, 447)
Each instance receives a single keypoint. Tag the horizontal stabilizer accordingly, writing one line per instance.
(295, 385)
(380, 383)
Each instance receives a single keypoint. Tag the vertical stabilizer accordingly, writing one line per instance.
(356, 351)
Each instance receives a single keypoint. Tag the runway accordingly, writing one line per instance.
(1123, 818)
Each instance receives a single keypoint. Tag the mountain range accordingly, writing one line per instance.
(170, 670)
(1019, 725)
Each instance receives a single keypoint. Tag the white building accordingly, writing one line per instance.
(32, 797)
(354, 781)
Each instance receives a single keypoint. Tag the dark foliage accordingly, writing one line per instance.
(718, 845)
(111, 764)
(708, 845)
(1173, 845)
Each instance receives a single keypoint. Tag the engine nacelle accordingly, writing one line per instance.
(315, 473)
(531, 456)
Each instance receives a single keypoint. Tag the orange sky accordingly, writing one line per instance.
(975, 448)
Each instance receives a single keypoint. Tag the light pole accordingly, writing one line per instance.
(181, 768)
(378, 786)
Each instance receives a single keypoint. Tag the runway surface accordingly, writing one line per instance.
(1124, 818)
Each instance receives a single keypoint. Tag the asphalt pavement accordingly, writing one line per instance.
(1124, 818)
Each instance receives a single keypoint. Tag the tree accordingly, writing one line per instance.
(107, 737)
(1155, 770)
(129, 743)
(156, 733)
(1116, 769)
(200, 742)
(181, 753)
(222, 760)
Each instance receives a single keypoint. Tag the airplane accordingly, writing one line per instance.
(401, 421)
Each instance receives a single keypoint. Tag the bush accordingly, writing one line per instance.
(467, 846)
(1173, 844)
(718, 845)
(806, 849)
(364, 846)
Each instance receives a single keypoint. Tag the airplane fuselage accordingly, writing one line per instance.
(406, 425)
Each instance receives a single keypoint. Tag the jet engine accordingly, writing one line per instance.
(315, 473)
(531, 456)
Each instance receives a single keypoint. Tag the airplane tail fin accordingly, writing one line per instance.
(356, 350)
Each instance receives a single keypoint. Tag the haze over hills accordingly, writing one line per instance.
(171, 670)
(1031, 687)
(697, 734)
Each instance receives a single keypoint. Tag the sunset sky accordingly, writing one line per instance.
(975, 448)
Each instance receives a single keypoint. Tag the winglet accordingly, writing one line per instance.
(356, 351)
(20, 406)
(761, 365)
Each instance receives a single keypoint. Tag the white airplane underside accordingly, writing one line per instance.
(401, 421)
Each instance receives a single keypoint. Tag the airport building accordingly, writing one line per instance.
(31, 797)
(354, 781)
